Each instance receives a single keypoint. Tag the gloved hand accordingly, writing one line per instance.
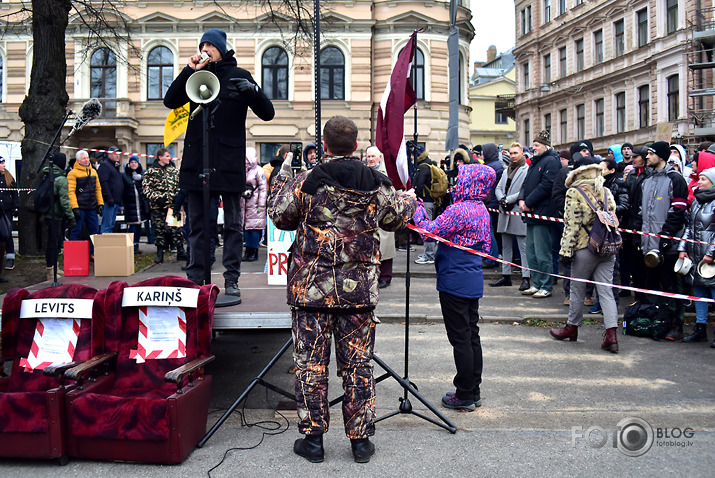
(136, 176)
(566, 261)
(161, 202)
(120, 211)
(109, 202)
(244, 86)
(15, 211)
(100, 210)
(76, 214)
(248, 193)
(665, 245)
(177, 212)
(72, 224)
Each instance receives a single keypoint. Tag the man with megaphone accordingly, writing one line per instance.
(226, 94)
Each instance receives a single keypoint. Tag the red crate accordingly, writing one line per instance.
(76, 258)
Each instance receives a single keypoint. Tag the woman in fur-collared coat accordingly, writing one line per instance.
(578, 221)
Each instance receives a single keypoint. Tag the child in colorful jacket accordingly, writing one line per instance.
(459, 277)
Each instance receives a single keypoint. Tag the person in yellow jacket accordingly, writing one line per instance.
(85, 195)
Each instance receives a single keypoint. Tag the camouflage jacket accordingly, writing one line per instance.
(161, 185)
(336, 210)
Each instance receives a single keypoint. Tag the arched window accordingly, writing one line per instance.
(419, 71)
(275, 73)
(160, 72)
(103, 65)
(332, 74)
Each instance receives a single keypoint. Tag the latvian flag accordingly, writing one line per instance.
(397, 99)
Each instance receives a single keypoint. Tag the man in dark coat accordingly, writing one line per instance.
(535, 198)
(491, 158)
(227, 151)
(112, 189)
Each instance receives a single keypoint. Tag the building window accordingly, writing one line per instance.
(527, 133)
(526, 20)
(274, 73)
(562, 7)
(160, 72)
(103, 78)
(152, 148)
(547, 11)
(564, 124)
(562, 62)
(525, 67)
(673, 100)
(547, 122)
(598, 46)
(642, 18)
(599, 107)
(671, 15)
(547, 68)
(580, 121)
(419, 70)
(579, 54)
(643, 106)
(499, 117)
(620, 112)
(577, 3)
(332, 74)
(268, 150)
(620, 43)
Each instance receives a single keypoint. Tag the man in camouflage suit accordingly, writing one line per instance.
(336, 210)
(161, 185)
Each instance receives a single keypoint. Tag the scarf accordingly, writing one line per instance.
(514, 167)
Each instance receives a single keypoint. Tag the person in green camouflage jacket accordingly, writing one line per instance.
(336, 210)
(161, 185)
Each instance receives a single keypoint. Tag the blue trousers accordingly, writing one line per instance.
(109, 218)
(89, 218)
(701, 308)
(539, 255)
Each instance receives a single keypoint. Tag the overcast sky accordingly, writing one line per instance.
(494, 24)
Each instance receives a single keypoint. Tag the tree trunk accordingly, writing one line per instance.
(43, 109)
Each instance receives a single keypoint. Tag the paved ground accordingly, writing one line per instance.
(535, 391)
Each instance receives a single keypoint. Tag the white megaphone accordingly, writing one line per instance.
(202, 87)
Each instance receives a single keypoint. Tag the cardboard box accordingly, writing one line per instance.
(76, 258)
(113, 254)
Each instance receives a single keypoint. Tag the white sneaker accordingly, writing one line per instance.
(530, 291)
(541, 294)
(424, 260)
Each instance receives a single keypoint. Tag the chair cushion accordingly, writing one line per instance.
(24, 412)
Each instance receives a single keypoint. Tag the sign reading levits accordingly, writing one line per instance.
(160, 296)
(56, 308)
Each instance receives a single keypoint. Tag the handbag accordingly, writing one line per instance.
(603, 238)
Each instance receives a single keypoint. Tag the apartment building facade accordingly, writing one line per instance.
(607, 70)
(360, 42)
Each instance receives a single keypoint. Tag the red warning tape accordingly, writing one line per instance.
(634, 289)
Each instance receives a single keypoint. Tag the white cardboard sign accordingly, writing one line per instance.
(160, 296)
(56, 308)
(279, 243)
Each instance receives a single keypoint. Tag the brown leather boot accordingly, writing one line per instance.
(610, 341)
(568, 332)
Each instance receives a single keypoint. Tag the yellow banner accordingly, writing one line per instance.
(176, 124)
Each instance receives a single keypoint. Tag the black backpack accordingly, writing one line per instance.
(43, 197)
(647, 320)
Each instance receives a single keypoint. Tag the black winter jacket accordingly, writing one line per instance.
(135, 204)
(423, 180)
(9, 200)
(620, 195)
(558, 191)
(539, 181)
(491, 159)
(111, 181)
(227, 128)
(634, 185)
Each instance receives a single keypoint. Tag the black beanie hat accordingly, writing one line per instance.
(579, 145)
(626, 145)
(59, 160)
(217, 38)
(661, 148)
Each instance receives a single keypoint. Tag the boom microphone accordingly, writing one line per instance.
(90, 110)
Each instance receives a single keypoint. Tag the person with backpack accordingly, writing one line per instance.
(701, 228)
(59, 212)
(585, 188)
(664, 208)
(421, 182)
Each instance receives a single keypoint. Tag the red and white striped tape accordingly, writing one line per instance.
(659, 293)
(145, 348)
(630, 231)
(34, 360)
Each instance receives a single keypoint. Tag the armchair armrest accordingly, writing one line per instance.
(177, 375)
(58, 370)
(77, 373)
(2, 362)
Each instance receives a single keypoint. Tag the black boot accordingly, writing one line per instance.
(676, 331)
(254, 254)
(699, 334)
(181, 253)
(246, 254)
(159, 255)
(525, 284)
(136, 249)
(363, 449)
(310, 448)
(502, 281)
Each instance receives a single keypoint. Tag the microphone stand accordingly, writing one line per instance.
(49, 158)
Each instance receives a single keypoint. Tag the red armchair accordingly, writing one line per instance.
(32, 397)
(152, 410)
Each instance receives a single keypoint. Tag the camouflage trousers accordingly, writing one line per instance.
(354, 344)
(164, 235)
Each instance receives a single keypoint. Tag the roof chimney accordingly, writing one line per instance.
(491, 53)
